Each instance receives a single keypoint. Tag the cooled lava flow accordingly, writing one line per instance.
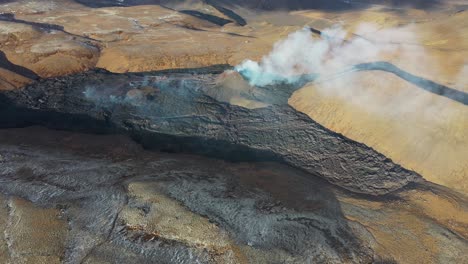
(172, 112)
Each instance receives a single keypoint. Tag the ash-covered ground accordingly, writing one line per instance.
(81, 198)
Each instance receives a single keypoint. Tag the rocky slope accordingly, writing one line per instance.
(67, 197)
(171, 112)
(120, 203)
(59, 37)
(102, 199)
(418, 130)
(136, 38)
(124, 204)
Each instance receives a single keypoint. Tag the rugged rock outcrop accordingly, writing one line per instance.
(177, 115)
(79, 198)
(119, 203)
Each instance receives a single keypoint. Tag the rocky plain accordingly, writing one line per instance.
(145, 131)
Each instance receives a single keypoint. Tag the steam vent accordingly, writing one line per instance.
(233, 132)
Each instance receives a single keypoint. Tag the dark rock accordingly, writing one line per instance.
(92, 190)
(182, 118)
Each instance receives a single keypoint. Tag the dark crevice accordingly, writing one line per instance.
(220, 149)
(45, 27)
(16, 117)
(326, 5)
(428, 85)
(239, 35)
(20, 70)
(207, 17)
(213, 69)
(228, 12)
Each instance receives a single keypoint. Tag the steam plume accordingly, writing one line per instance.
(332, 56)
(336, 50)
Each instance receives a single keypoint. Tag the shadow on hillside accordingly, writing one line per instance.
(327, 5)
(44, 27)
(20, 70)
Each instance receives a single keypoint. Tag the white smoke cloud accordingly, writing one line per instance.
(332, 56)
(298, 54)
(336, 50)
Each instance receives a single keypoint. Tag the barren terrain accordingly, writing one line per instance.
(133, 131)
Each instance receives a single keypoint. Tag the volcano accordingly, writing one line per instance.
(233, 131)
